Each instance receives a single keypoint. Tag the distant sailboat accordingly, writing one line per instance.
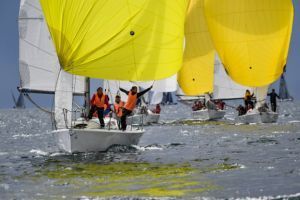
(284, 94)
(252, 39)
(20, 102)
(202, 70)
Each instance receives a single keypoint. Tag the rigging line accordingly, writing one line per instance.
(153, 83)
(39, 48)
(109, 90)
(73, 98)
(36, 105)
(230, 106)
(118, 84)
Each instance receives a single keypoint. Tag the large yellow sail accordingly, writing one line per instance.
(252, 37)
(196, 75)
(135, 40)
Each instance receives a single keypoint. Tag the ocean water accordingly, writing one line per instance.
(176, 159)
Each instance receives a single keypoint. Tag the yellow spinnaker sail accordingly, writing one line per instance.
(135, 40)
(197, 74)
(252, 37)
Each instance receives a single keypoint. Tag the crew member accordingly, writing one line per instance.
(248, 99)
(99, 102)
(118, 107)
(133, 96)
(273, 99)
(157, 109)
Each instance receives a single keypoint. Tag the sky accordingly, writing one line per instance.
(9, 55)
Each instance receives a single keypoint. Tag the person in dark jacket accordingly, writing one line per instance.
(248, 98)
(133, 96)
(273, 99)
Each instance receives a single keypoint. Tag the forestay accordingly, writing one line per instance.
(38, 62)
(135, 40)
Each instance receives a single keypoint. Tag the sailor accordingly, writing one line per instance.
(250, 108)
(248, 98)
(241, 110)
(220, 104)
(273, 95)
(133, 96)
(157, 109)
(209, 103)
(195, 106)
(99, 103)
(118, 107)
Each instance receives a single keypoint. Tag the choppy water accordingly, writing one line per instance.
(175, 159)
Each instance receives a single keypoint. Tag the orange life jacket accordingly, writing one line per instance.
(118, 108)
(100, 102)
(131, 101)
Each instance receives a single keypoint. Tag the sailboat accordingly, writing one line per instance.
(142, 115)
(252, 39)
(202, 71)
(126, 41)
(284, 94)
(224, 88)
(20, 102)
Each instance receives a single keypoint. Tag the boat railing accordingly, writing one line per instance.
(72, 124)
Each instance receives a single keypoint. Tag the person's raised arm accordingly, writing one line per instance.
(125, 91)
(144, 92)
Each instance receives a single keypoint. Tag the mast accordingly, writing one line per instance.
(87, 96)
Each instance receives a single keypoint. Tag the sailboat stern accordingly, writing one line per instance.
(269, 117)
(206, 115)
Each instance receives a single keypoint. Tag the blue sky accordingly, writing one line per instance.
(9, 75)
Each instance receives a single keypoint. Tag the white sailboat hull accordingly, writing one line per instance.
(94, 140)
(269, 117)
(256, 117)
(205, 115)
(143, 119)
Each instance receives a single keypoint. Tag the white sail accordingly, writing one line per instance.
(63, 100)
(156, 98)
(38, 62)
(224, 86)
(165, 85)
(261, 95)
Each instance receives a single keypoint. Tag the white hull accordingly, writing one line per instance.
(256, 117)
(94, 140)
(205, 115)
(143, 119)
